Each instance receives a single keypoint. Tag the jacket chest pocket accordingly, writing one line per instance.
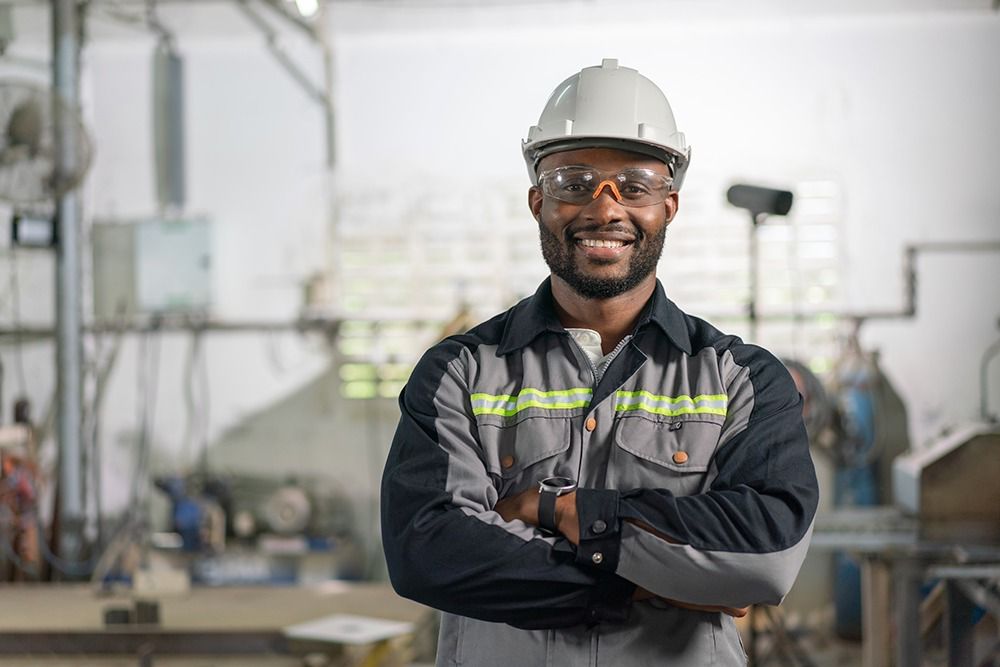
(673, 453)
(521, 454)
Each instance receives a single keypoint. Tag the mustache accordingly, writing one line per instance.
(613, 228)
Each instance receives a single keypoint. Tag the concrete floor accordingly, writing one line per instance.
(847, 655)
(185, 661)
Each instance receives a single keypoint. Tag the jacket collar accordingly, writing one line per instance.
(537, 314)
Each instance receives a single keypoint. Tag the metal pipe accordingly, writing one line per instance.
(167, 323)
(991, 353)
(183, 324)
(910, 268)
(328, 73)
(308, 28)
(69, 345)
(757, 219)
(289, 65)
(323, 95)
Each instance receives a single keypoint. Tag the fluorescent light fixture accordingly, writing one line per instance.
(307, 8)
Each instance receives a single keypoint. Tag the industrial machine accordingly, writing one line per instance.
(245, 529)
(953, 486)
(19, 554)
(858, 422)
(930, 553)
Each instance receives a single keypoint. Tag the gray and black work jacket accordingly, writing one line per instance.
(690, 432)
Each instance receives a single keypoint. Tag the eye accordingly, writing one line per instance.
(635, 188)
(574, 182)
(574, 186)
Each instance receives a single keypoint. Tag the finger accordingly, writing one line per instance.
(736, 612)
(642, 594)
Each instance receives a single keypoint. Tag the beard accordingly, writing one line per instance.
(558, 254)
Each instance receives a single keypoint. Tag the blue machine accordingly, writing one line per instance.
(190, 515)
(871, 431)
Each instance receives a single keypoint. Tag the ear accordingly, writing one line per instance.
(535, 202)
(671, 203)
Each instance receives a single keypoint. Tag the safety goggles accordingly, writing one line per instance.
(580, 185)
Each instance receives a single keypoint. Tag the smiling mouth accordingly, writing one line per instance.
(601, 243)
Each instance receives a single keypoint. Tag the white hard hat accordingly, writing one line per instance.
(608, 107)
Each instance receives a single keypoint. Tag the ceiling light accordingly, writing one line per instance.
(307, 8)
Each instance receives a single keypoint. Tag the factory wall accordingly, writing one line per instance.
(898, 109)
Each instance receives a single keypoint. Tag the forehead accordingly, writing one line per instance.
(603, 159)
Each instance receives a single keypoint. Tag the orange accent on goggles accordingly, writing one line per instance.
(611, 184)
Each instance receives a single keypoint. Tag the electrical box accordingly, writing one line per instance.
(151, 266)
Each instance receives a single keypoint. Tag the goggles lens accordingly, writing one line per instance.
(581, 185)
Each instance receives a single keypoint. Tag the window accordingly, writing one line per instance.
(410, 265)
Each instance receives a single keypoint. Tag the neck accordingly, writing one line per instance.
(613, 318)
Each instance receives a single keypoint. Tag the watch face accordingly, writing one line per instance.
(557, 483)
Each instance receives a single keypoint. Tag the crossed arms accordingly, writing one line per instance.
(451, 543)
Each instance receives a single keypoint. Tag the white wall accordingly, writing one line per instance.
(898, 107)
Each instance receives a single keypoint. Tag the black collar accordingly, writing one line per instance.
(537, 314)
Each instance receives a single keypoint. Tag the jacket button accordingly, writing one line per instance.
(680, 457)
(507, 461)
(590, 424)
(598, 527)
(597, 558)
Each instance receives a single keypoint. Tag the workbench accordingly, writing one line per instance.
(68, 619)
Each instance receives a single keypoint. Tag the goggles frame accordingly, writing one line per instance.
(658, 186)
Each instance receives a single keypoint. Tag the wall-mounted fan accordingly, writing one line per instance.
(27, 144)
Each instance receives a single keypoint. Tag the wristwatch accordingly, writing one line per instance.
(549, 489)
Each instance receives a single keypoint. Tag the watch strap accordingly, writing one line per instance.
(547, 511)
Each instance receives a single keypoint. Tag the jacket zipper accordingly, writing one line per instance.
(611, 356)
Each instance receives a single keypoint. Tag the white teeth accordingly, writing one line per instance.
(598, 243)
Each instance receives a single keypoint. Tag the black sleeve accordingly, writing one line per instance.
(744, 539)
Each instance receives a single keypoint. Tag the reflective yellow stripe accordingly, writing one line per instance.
(504, 412)
(534, 392)
(671, 406)
(507, 405)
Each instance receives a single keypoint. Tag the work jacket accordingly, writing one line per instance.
(690, 432)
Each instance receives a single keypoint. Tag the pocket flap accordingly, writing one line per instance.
(512, 448)
(684, 444)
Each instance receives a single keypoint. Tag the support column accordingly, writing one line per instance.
(69, 342)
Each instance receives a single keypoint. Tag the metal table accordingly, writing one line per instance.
(895, 565)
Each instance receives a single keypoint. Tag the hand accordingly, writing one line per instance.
(520, 507)
(736, 612)
(524, 507)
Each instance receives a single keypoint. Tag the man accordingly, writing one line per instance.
(594, 477)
